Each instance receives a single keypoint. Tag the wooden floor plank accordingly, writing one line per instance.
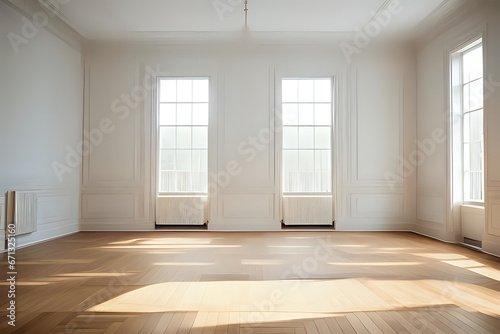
(198, 282)
(358, 326)
(151, 323)
(175, 323)
(310, 327)
(163, 323)
(322, 326)
(490, 325)
(187, 323)
(333, 325)
(403, 322)
(395, 325)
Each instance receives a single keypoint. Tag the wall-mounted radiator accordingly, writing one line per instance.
(181, 210)
(307, 210)
(22, 211)
(3, 211)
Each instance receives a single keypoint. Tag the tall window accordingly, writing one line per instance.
(307, 131)
(468, 98)
(183, 135)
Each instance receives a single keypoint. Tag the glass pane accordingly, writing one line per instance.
(184, 114)
(184, 91)
(467, 188)
(200, 114)
(306, 90)
(200, 90)
(322, 182)
(167, 181)
(306, 160)
(290, 114)
(322, 90)
(290, 91)
(322, 138)
(306, 137)
(466, 128)
(167, 160)
(466, 97)
(322, 114)
(476, 186)
(167, 137)
(168, 91)
(473, 64)
(168, 114)
(199, 161)
(183, 137)
(476, 125)
(322, 160)
(476, 95)
(291, 160)
(466, 157)
(290, 170)
(290, 137)
(306, 114)
(183, 158)
(476, 156)
(200, 137)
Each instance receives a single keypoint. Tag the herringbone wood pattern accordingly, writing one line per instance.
(279, 282)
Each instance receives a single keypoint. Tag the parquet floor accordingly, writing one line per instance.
(275, 282)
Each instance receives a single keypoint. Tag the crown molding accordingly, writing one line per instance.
(444, 17)
(55, 25)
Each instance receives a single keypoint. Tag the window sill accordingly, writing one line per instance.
(475, 207)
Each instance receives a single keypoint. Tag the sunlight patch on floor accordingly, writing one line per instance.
(302, 296)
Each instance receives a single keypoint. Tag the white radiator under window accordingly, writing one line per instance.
(307, 210)
(181, 210)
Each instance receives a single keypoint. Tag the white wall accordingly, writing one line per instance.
(375, 126)
(434, 216)
(41, 113)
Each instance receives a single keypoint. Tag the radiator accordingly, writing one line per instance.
(3, 211)
(307, 210)
(25, 212)
(181, 210)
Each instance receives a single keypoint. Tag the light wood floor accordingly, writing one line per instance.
(278, 282)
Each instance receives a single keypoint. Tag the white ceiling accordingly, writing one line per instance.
(107, 18)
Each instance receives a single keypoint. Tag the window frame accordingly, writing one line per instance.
(332, 130)
(158, 135)
(458, 102)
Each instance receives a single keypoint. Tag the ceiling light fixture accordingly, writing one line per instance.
(246, 14)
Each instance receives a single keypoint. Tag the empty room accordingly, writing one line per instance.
(259, 166)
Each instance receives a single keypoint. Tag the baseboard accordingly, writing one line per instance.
(117, 226)
(434, 230)
(42, 240)
(491, 245)
(244, 227)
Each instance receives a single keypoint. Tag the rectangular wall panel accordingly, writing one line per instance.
(53, 208)
(376, 206)
(238, 206)
(108, 205)
(431, 209)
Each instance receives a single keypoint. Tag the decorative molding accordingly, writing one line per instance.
(53, 208)
(109, 206)
(493, 216)
(374, 205)
(433, 207)
(55, 25)
(443, 18)
(352, 167)
(247, 206)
